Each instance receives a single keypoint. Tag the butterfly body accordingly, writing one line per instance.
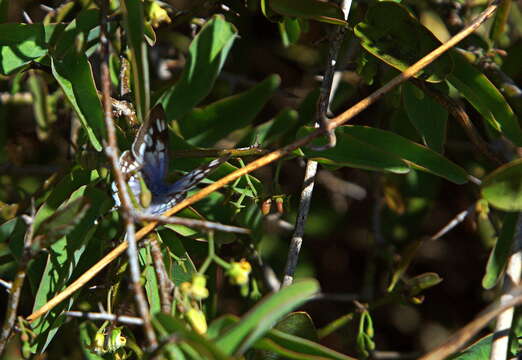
(146, 164)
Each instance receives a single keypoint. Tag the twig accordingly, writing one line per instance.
(302, 214)
(311, 165)
(339, 186)
(192, 223)
(166, 285)
(17, 285)
(269, 158)
(128, 320)
(461, 337)
(499, 347)
(6, 284)
(112, 153)
(241, 152)
(459, 218)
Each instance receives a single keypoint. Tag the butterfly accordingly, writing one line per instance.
(146, 163)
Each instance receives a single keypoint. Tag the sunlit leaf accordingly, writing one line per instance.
(401, 42)
(503, 187)
(309, 9)
(207, 54)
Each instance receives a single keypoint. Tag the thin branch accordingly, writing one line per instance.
(166, 285)
(269, 158)
(459, 218)
(241, 152)
(464, 335)
(500, 345)
(321, 121)
(113, 155)
(192, 223)
(128, 320)
(17, 285)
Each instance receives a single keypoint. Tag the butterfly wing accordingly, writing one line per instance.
(130, 170)
(191, 179)
(150, 149)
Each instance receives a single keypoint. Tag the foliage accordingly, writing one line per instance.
(237, 78)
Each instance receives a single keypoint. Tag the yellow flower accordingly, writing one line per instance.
(197, 320)
(196, 289)
(239, 272)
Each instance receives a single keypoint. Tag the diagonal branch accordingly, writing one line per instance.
(271, 157)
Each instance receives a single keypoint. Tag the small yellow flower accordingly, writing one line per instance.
(239, 272)
(197, 320)
(196, 289)
(157, 14)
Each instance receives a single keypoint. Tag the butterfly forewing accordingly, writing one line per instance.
(149, 158)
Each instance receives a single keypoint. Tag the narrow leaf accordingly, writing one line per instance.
(263, 316)
(499, 254)
(134, 20)
(503, 187)
(207, 54)
(309, 9)
(74, 74)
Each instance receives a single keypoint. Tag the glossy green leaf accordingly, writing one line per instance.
(151, 282)
(204, 127)
(74, 74)
(180, 265)
(503, 187)
(428, 117)
(309, 9)
(416, 155)
(134, 27)
(485, 98)
(42, 109)
(283, 126)
(167, 325)
(64, 263)
(480, 350)
(262, 317)
(288, 339)
(422, 282)
(83, 26)
(401, 42)
(63, 221)
(207, 54)
(500, 253)
(22, 43)
(290, 30)
(352, 152)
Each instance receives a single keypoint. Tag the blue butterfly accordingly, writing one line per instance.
(148, 160)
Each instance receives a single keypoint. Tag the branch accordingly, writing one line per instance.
(499, 347)
(166, 286)
(192, 223)
(128, 320)
(269, 158)
(112, 152)
(15, 290)
(461, 337)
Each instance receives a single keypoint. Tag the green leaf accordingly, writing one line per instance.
(416, 155)
(309, 9)
(428, 117)
(167, 325)
(290, 30)
(401, 42)
(151, 282)
(85, 26)
(134, 20)
(352, 152)
(503, 187)
(262, 317)
(41, 106)
(500, 253)
(66, 260)
(485, 98)
(480, 350)
(207, 54)
(281, 127)
(63, 221)
(180, 265)
(204, 127)
(74, 74)
(22, 43)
